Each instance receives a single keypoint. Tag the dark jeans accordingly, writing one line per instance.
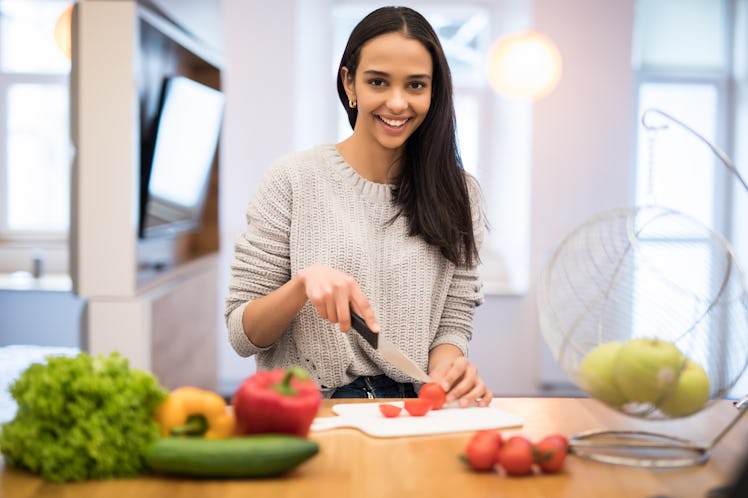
(378, 386)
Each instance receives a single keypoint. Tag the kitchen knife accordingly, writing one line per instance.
(388, 350)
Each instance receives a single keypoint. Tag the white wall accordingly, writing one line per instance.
(581, 153)
(585, 133)
(258, 127)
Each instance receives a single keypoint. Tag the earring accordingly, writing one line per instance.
(352, 103)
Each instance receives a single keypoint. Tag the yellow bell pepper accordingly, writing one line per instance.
(191, 411)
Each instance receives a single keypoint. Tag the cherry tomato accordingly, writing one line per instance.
(550, 452)
(482, 450)
(519, 439)
(562, 440)
(434, 392)
(516, 456)
(417, 407)
(389, 410)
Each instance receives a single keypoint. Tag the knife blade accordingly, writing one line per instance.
(389, 351)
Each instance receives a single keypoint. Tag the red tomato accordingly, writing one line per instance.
(434, 392)
(417, 407)
(483, 449)
(562, 440)
(389, 410)
(519, 439)
(550, 452)
(516, 456)
(492, 435)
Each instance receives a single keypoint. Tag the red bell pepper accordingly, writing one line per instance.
(277, 401)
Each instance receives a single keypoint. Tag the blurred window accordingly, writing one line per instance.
(681, 56)
(35, 149)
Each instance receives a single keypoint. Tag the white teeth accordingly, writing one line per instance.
(394, 122)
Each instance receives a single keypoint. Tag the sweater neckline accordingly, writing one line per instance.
(380, 192)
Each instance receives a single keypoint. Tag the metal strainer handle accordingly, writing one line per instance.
(648, 449)
(742, 406)
(717, 151)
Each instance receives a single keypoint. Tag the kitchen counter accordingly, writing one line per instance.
(352, 464)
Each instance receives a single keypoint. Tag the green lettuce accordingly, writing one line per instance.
(87, 417)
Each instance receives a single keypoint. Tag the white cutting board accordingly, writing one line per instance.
(367, 418)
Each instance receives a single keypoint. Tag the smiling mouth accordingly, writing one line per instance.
(394, 123)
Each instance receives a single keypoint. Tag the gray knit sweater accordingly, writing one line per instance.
(312, 207)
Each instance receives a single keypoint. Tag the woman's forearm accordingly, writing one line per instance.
(443, 353)
(266, 318)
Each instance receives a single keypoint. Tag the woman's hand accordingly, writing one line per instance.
(458, 377)
(333, 293)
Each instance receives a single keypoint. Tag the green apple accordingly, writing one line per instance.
(646, 368)
(595, 374)
(690, 393)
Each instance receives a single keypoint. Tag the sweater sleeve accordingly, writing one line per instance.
(261, 261)
(466, 289)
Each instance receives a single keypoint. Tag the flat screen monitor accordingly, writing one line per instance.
(177, 167)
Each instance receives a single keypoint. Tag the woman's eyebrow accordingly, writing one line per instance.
(382, 74)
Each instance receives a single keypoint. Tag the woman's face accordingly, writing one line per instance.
(392, 89)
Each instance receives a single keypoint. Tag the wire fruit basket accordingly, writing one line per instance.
(646, 310)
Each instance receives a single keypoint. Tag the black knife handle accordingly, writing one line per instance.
(359, 325)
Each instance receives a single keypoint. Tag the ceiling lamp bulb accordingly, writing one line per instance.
(524, 65)
(63, 31)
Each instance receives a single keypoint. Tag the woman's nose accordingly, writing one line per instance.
(396, 101)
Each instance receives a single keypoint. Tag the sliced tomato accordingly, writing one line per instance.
(434, 392)
(390, 411)
(417, 407)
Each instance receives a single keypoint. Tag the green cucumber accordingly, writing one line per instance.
(261, 455)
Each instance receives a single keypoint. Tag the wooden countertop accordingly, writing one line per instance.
(351, 464)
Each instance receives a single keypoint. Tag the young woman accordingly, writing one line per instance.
(385, 223)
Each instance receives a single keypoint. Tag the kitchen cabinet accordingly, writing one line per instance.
(146, 298)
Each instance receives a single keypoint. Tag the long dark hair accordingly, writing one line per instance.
(431, 189)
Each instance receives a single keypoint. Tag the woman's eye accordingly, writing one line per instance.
(376, 82)
(417, 85)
